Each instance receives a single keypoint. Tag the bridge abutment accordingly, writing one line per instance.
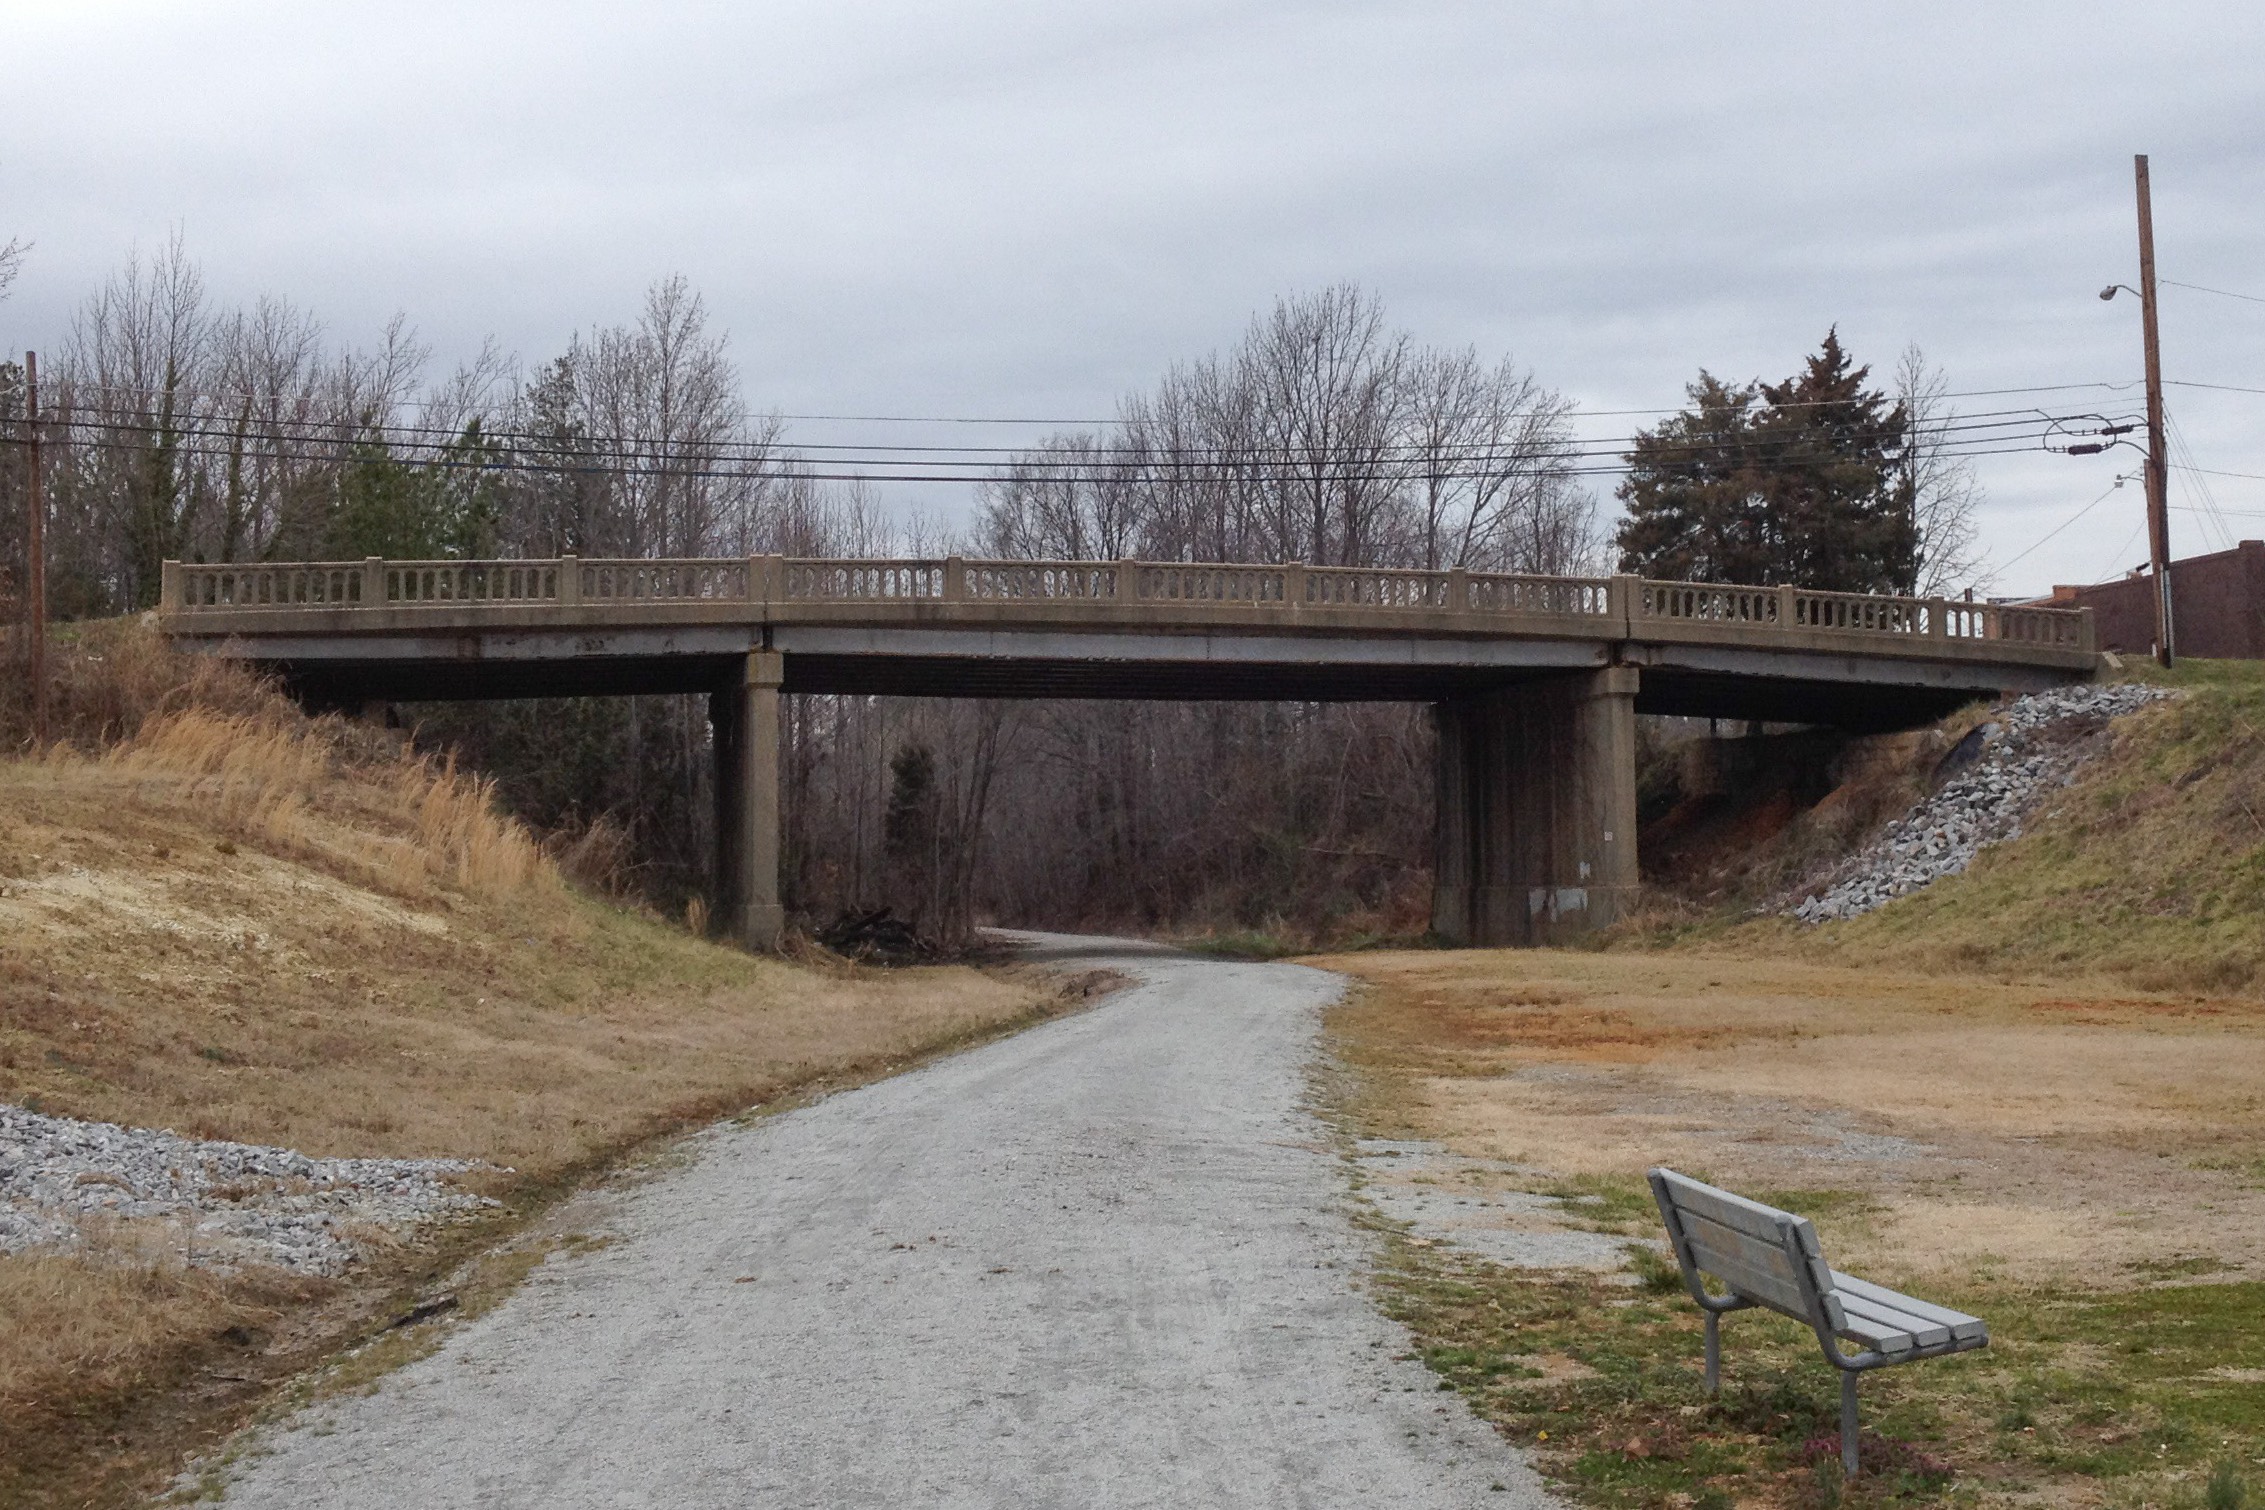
(744, 716)
(1536, 821)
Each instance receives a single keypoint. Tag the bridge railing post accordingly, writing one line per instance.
(1788, 607)
(1938, 619)
(169, 587)
(569, 580)
(1458, 590)
(1294, 584)
(1128, 580)
(373, 581)
(955, 579)
(1623, 599)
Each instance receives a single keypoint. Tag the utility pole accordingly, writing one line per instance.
(35, 553)
(2158, 455)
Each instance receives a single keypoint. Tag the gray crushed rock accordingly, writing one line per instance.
(222, 1204)
(2033, 747)
(1439, 1197)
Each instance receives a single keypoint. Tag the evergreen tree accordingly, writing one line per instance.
(1768, 483)
(445, 509)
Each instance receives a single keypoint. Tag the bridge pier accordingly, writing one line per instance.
(744, 717)
(1536, 825)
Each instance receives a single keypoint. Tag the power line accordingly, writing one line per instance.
(1570, 410)
(2215, 387)
(721, 462)
(2225, 293)
(785, 468)
(603, 453)
(2064, 524)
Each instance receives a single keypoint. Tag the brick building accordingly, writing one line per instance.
(2218, 601)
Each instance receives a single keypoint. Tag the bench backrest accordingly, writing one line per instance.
(1768, 1256)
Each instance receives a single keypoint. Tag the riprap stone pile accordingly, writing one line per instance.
(223, 1204)
(2031, 748)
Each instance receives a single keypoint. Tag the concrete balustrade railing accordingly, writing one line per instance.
(345, 596)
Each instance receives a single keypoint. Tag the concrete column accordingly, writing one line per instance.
(745, 720)
(1536, 825)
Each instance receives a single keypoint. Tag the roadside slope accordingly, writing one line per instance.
(2148, 871)
(222, 918)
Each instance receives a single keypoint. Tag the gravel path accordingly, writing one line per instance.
(1106, 1262)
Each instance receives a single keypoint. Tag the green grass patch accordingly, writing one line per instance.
(2153, 1395)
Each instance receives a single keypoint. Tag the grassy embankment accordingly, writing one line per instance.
(219, 917)
(2032, 1092)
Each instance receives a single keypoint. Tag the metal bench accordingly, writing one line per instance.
(1766, 1257)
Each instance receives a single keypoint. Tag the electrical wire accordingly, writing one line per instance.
(2064, 524)
(2195, 482)
(2107, 573)
(232, 395)
(2213, 387)
(2225, 293)
(610, 450)
(785, 468)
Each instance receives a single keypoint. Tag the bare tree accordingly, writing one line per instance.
(1326, 380)
(1944, 491)
(659, 407)
(12, 254)
(1490, 469)
(1323, 437)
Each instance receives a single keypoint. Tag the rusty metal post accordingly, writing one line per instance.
(35, 553)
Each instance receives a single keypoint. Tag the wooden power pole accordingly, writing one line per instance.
(35, 553)
(2158, 455)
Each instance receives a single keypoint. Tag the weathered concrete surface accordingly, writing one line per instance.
(1104, 1263)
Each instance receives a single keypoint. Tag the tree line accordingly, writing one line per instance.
(180, 429)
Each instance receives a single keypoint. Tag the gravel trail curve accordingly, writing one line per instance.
(1105, 1262)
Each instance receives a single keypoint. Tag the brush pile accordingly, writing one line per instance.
(1989, 786)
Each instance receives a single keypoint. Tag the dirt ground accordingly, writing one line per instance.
(2026, 1131)
(2083, 1167)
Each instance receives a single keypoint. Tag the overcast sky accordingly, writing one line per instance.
(1025, 209)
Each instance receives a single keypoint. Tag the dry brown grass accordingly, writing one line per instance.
(107, 678)
(2078, 1137)
(241, 924)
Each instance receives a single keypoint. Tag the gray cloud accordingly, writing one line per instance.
(1028, 208)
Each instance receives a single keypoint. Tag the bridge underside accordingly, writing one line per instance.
(1861, 694)
(1535, 835)
(1858, 707)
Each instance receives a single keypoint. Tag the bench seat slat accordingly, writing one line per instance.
(1962, 1327)
(1898, 1331)
(1880, 1336)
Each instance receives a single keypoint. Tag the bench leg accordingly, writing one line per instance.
(1848, 1423)
(1714, 1353)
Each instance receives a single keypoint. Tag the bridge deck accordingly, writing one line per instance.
(423, 629)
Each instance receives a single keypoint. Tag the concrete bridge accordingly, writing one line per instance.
(1536, 681)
